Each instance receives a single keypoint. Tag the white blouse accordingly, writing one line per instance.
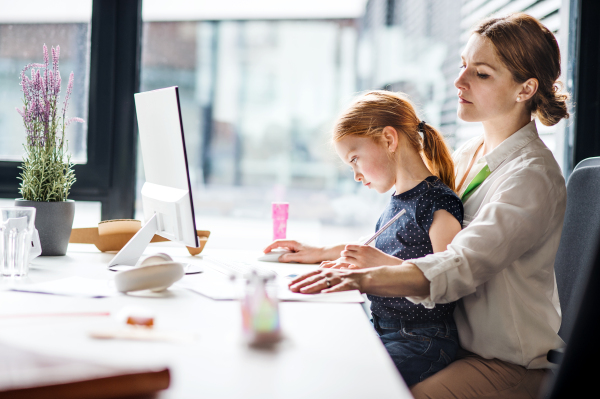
(502, 263)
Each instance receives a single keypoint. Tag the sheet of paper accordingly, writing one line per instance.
(71, 286)
(218, 287)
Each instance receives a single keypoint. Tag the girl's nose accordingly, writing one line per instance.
(357, 176)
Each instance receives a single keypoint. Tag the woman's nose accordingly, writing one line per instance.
(461, 82)
(357, 176)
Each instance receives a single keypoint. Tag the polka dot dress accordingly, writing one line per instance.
(408, 238)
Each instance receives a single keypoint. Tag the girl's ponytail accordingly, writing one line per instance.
(437, 156)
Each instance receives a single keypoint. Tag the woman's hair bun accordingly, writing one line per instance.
(552, 106)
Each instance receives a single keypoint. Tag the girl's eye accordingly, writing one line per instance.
(482, 75)
(462, 67)
(353, 160)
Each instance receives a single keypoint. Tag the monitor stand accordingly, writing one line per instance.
(129, 255)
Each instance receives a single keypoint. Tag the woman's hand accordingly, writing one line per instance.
(362, 257)
(327, 280)
(302, 253)
(397, 280)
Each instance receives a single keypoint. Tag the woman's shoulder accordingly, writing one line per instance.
(536, 161)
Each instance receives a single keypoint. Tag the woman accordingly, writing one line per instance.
(501, 265)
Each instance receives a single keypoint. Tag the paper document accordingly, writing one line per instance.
(218, 287)
(71, 286)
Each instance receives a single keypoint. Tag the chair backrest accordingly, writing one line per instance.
(578, 372)
(593, 161)
(579, 240)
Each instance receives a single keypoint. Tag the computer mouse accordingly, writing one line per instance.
(274, 255)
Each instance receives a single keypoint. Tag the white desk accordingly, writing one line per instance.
(330, 350)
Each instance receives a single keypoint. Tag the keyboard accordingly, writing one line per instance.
(237, 268)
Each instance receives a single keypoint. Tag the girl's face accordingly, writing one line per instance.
(370, 161)
(486, 88)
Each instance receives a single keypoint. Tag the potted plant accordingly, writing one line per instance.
(47, 171)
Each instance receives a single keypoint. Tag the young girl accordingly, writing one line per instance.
(387, 145)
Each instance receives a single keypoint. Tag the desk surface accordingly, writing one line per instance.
(330, 350)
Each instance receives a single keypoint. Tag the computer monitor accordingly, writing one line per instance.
(167, 192)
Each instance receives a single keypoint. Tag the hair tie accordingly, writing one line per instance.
(421, 126)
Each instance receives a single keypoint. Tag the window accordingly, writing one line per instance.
(259, 98)
(64, 23)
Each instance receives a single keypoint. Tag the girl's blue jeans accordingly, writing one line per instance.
(418, 349)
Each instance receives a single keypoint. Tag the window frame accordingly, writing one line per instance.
(582, 133)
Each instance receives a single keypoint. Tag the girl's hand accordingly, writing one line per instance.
(301, 253)
(364, 256)
(327, 280)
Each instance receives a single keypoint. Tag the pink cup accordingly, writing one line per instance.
(280, 216)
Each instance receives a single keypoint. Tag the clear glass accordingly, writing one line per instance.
(24, 29)
(17, 225)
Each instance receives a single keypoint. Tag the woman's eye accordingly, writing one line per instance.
(353, 160)
(482, 75)
(462, 67)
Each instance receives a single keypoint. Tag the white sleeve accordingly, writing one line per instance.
(519, 213)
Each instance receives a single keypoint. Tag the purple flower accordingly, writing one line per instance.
(41, 97)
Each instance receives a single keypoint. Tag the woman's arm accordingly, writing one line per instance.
(393, 281)
(525, 209)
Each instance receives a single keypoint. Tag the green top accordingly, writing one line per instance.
(477, 180)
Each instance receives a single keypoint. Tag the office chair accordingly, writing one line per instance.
(577, 268)
(580, 235)
(578, 371)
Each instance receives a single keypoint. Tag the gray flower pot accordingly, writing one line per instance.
(54, 221)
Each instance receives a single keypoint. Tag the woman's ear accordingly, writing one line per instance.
(390, 138)
(528, 89)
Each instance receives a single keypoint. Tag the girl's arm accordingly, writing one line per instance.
(443, 230)
(302, 253)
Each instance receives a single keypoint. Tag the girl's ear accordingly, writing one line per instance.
(390, 138)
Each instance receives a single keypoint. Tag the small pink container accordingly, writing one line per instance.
(280, 216)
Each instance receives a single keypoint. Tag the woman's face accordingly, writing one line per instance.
(486, 88)
(369, 160)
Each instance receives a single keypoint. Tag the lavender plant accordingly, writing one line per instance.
(47, 171)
